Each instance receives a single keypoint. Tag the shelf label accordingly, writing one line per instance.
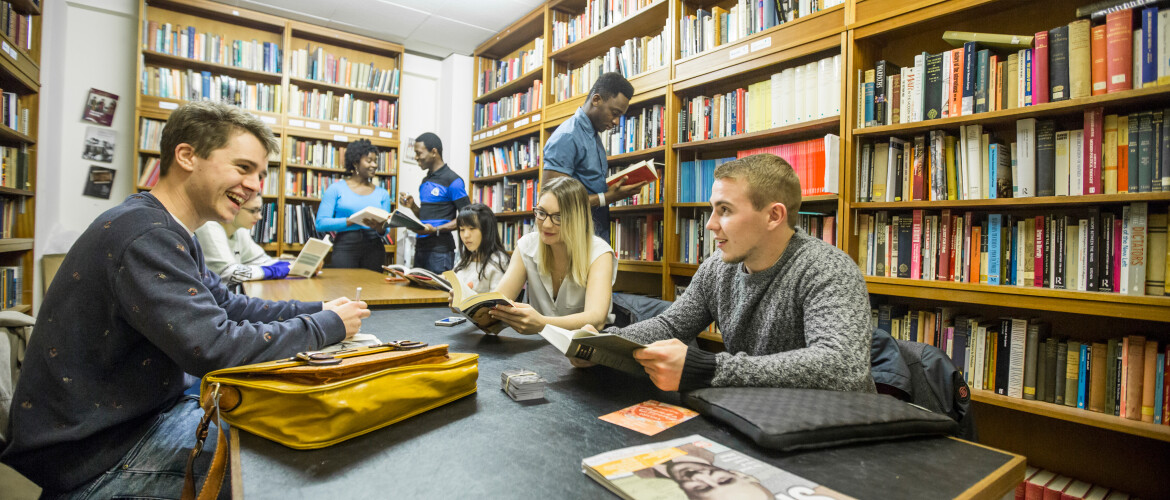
(339, 137)
(761, 44)
(335, 128)
(502, 129)
(268, 119)
(293, 122)
(366, 131)
(168, 105)
(520, 123)
(313, 125)
(9, 50)
(386, 135)
(351, 130)
(535, 117)
(739, 51)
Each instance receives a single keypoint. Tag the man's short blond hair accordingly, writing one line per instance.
(770, 180)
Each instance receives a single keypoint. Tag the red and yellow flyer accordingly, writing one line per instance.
(650, 417)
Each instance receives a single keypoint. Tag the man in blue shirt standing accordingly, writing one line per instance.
(575, 149)
(442, 193)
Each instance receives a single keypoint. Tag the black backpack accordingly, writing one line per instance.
(938, 386)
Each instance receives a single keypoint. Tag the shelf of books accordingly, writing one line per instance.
(20, 41)
(1012, 191)
(317, 88)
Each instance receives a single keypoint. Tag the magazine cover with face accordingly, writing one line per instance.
(693, 468)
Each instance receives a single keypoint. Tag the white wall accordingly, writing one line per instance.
(86, 44)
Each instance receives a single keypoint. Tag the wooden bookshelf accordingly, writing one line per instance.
(233, 23)
(601, 40)
(776, 135)
(1126, 455)
(20, 75)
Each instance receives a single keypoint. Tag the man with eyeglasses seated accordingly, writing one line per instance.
(230, 252)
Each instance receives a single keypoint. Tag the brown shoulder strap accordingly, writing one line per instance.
(215, 474)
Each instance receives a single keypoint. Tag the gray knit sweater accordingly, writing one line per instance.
(804, 322)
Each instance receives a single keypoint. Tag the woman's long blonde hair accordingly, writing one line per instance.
(576, 226)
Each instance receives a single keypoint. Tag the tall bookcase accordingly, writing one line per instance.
(316, 88)
(1128, 455)
(20, 42)
(1104, 449)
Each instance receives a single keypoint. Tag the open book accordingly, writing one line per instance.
(371, 216)
(674, 469)
(601, 348)
(420, 277)
(638, 172)
(311, 257)
(475, 306)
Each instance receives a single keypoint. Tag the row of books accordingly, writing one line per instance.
(511, 231)
(270, 186)
(505, 196)
(596, 16)
(151, 134)
(650, 194)
(793, 95)
(149, 172)
(821, 226)
(1094, 250)
(644, 129)
(300, 223)
(325, 154)
(1039, 484)
(265, 229)
(14, 167)
(516, 155)
(509, 107)
(495, 74)
(1022, 358)
(9, 209)
(191, 85)
(343, 109)
(11, 285)
(710, 28)
(813, 161)
(186, 42)
(634, 57)
(309, 183)
(636, 237)
(992, 72)
(17, 27)
(695, 241)
(317, 64)
(12, 114)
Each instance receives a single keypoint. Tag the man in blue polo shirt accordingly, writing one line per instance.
(575, 148)
(442, 193)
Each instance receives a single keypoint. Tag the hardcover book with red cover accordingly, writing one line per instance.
(1119, 50)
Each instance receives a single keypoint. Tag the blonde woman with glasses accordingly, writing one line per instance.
(569, 271)
(230, 252)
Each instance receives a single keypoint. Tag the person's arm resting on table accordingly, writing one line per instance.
(526, 320)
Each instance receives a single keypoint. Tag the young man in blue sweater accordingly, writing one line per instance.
(100, 409)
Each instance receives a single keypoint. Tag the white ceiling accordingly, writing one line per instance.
(436, 28)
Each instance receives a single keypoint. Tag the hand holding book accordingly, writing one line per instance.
(520, 316)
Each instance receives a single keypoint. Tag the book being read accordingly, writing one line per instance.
(638, 172)
(372, 216)
(695, 467)
(601, 348)
(312, 255)
(475, 306)
(420, 277)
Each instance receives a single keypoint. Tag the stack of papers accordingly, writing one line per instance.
(522, 385)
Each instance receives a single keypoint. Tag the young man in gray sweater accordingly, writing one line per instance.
(793, 310)
(100, 409)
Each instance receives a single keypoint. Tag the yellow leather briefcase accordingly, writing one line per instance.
(320, 399)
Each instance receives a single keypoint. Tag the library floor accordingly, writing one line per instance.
(15, 486)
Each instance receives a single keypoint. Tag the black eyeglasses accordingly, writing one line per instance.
(541, 215)
(253, 211)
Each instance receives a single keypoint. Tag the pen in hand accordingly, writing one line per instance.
(357, 296)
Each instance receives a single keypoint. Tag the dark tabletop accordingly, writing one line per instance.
(488, 446)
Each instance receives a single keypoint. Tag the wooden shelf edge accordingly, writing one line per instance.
(1075, 415)
(640, 266)
(608, 34)
(11, 191)
(526, 172)
(528, 124)
(1092, 303)
(15, 244)
(637, 155)
(692, 204)
(326, 134)
(829, 123)
(650, 207)
(1091, 199)
(20, 308)
(343, 88)
(1037, 111)
(10, 134)
(533, 21)
(163, 58)
(346, 39)
(522, 213)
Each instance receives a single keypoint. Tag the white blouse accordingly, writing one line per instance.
(571, 297)
(493, 273)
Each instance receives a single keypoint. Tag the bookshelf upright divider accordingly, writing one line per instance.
(20, 41)
(345, 89)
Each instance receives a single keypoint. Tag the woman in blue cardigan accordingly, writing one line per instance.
(357, 245)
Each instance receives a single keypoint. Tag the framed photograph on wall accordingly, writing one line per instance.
(99, 107)
(99, 144)
(407, 151)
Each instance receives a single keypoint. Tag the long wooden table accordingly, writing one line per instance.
(333, 283)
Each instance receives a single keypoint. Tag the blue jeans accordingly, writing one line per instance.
(155, 467)
(435, 261)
